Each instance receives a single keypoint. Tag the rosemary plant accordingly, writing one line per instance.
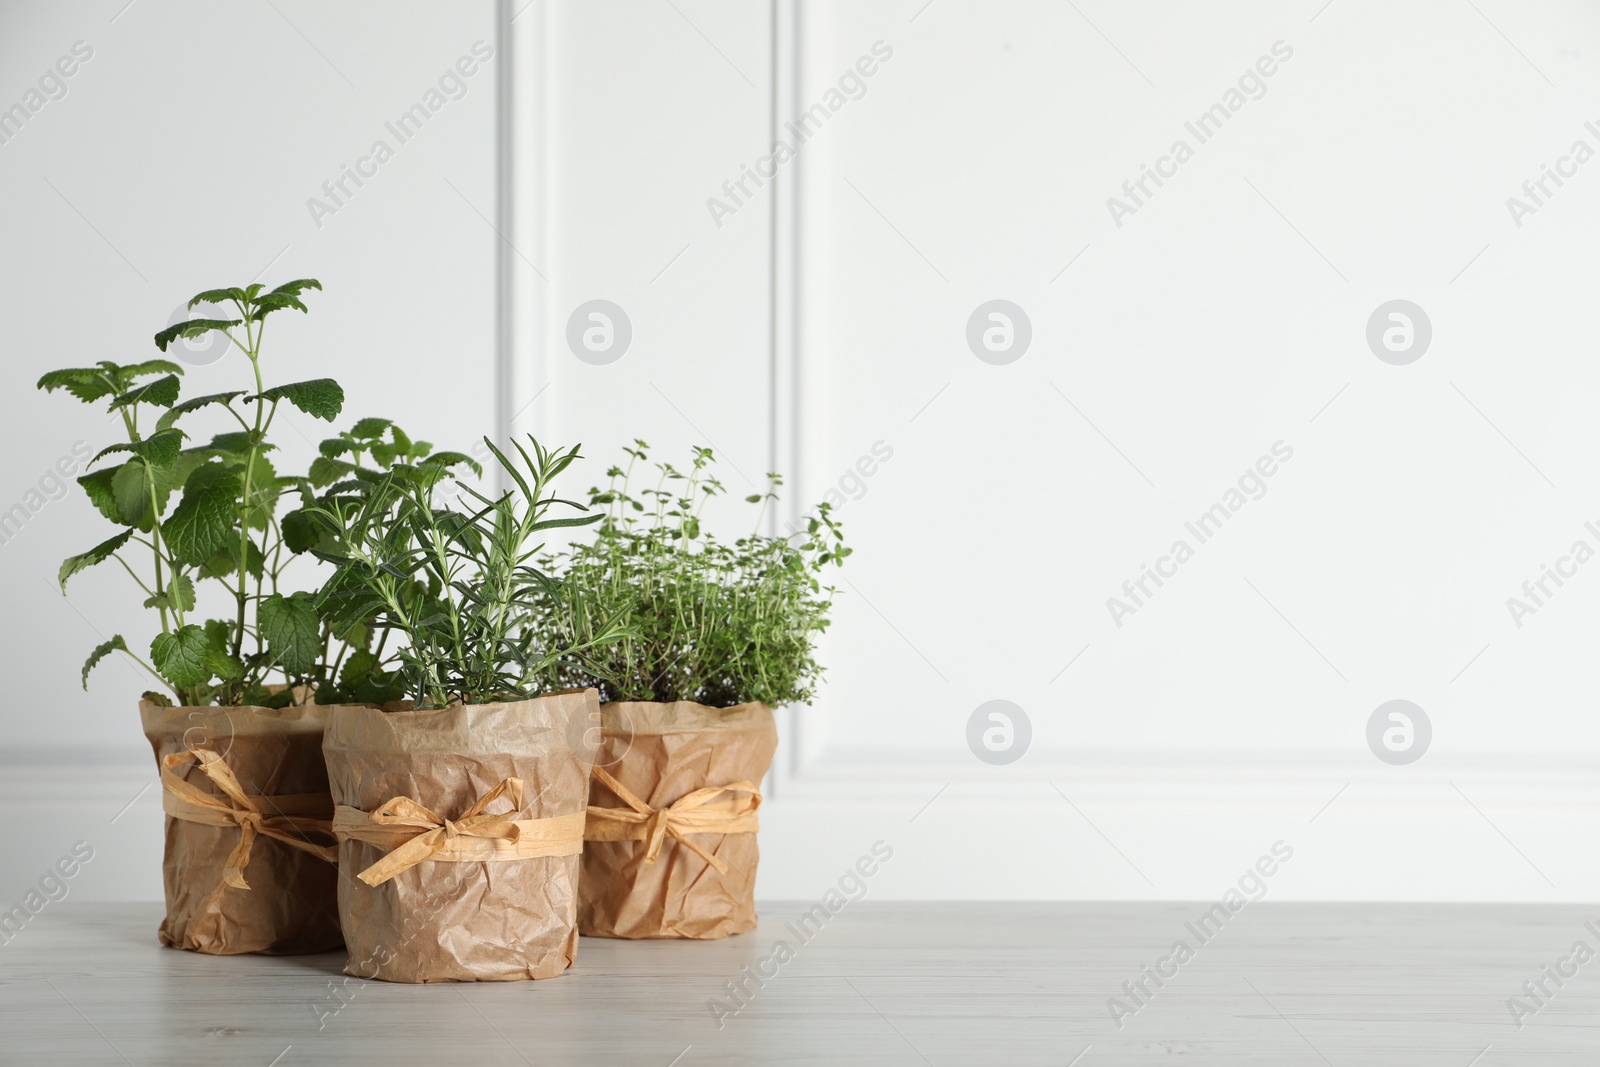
(458, 589)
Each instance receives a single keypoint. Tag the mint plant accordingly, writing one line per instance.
(708, 621)
(459, 589)
(198, 515)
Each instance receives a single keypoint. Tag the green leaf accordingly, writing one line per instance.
(193, 328)
(192, 405)
(180, 592)
(225, 564)
(100, 652)
(217, 634)
(450, 459)
(292, 630)
(228, 668)
(321, 398)
(86, 383)
(205, 519)
(369, 428)
(577, 520)
(163, 392)
(181, 657)
(84, 560)
(325, 470)
(298, 286)
(302, 531)
(102, 493)
(261, 697)
(266, 305)
(160, 449)
(216, 296)
(239, 443)
(336, 446)
(264, 490)
(150, 366)
(131, 492)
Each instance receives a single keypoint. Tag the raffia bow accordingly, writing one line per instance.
(722, 809)
(413, 834)
(295, 815)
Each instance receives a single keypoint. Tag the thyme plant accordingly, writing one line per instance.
(716, 623)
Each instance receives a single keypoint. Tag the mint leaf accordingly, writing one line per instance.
(292, 629)
(298, 286)
(160, 449)
(193, 328)
(228, 668)
(181, 657)
(180, 593)
(217, 296)
(150, 366)
(336, 446)
(266, 305)
(203, 522)
(84, 560)
(369, 428)
(86, 383)
(450, 459)
(217, 634)
(100, 652)
(321, 398)
(131, 492)
(326, 470)
(264, 490)
(301, 531)
(163, 392)
(102, 494)
(239, 443)
(196, 403)
(225, 564)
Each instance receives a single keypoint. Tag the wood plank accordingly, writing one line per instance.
(879, 983)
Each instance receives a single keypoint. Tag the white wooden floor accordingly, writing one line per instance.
(881, 984)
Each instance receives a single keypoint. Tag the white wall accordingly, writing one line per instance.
(1174, 350)
(1227, 314)
(182, 158)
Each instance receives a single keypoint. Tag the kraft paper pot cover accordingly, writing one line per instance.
(271, 834)
(491, 897)
(698, 767)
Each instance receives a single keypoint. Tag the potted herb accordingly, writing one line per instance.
(245, 788)
(459, 811)
(718, 635)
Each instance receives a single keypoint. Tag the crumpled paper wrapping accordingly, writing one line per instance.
(291, 906)
(496, 921)
(662, 752)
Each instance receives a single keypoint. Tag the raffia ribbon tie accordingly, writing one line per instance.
(721, 809)
(413, 834)
(295, 815)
